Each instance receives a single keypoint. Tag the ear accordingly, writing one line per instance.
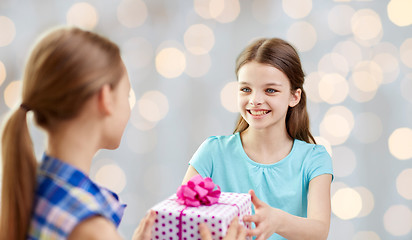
(295, 97)
(105, 100)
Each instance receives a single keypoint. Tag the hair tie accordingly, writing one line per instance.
(25, 107)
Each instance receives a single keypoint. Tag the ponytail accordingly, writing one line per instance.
(19, 177)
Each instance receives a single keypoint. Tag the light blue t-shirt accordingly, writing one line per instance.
(282, 185)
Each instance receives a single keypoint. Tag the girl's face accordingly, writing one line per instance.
(264, 95)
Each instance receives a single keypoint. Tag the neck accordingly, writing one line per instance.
(73, 144)
(266, 145)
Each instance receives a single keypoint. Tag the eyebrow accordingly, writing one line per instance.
(266, 85)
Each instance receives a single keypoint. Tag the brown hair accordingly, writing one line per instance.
(283, 56)
(65, 68)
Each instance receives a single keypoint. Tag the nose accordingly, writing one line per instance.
(256, 99)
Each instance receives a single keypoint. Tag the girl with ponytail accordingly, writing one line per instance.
(272, 154)
(77, 88)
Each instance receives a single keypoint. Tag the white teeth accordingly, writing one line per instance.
(258, 113)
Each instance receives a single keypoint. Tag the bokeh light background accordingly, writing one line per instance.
(180, 55)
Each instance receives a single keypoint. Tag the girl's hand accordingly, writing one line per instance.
(144, 230)
(235, 232)
(265, 219)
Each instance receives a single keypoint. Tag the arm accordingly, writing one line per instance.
(270, 220)
(95, 228)
(99, 228)
(191, 171)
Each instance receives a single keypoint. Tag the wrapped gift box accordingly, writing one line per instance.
(177, 221)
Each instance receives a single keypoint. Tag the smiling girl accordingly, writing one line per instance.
(272, 154)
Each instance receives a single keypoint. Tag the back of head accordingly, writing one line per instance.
(283, 56)
(65, 68)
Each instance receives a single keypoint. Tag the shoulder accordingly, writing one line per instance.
(222, 139)
(310, 149)
(94, 228)
(71, 205)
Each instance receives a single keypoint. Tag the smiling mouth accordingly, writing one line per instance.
(259, 113)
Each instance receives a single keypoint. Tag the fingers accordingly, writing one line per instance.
(144, 230)
(251, 218)
(255, 200)
(204, 232)
(241, 232)
(233, 228)
(150, 219)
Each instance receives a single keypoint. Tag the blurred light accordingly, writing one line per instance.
(199, 39)
(132, 98)
(82, 15)
(400, 143)
(368, 202)
(344, 161)
(266, 11)
(350, 51)
(228, 96)
(389, 65)
(297, 9)
(333, 88)
(230, 11)
(12, 94)
(333, 63)
(202, 8)
(368, 127)
(403, 183)
(311, 86)
(406, 52)
(112, 177)
(138, 52)
(346, 203)
(324, 142)
(141, 142)
(367, 76)
(366, 27)
(335, 186)
(399, 12)
(153, 106)
(339, 19)
(197, 65)
(398, 220)
(406, 85)
(358, 95)
(132, 13)
(337, 125)
(8, 31)
(302, 35)
(216, 7)
(139, 122)
(170, 62)
(369, 235)
(3, 73)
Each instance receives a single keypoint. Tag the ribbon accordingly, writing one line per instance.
(198, 191)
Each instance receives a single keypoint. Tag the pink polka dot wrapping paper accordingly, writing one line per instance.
(179, 222)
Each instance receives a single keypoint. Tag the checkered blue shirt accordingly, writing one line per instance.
(64, 197)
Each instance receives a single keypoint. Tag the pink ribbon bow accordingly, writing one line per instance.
(198, 191)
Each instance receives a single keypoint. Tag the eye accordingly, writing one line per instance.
(245, 89)
(271, 90)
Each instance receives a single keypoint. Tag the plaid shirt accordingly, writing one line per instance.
(64, 197)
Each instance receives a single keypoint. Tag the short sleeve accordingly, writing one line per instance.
(202, 160)
(320, 162)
